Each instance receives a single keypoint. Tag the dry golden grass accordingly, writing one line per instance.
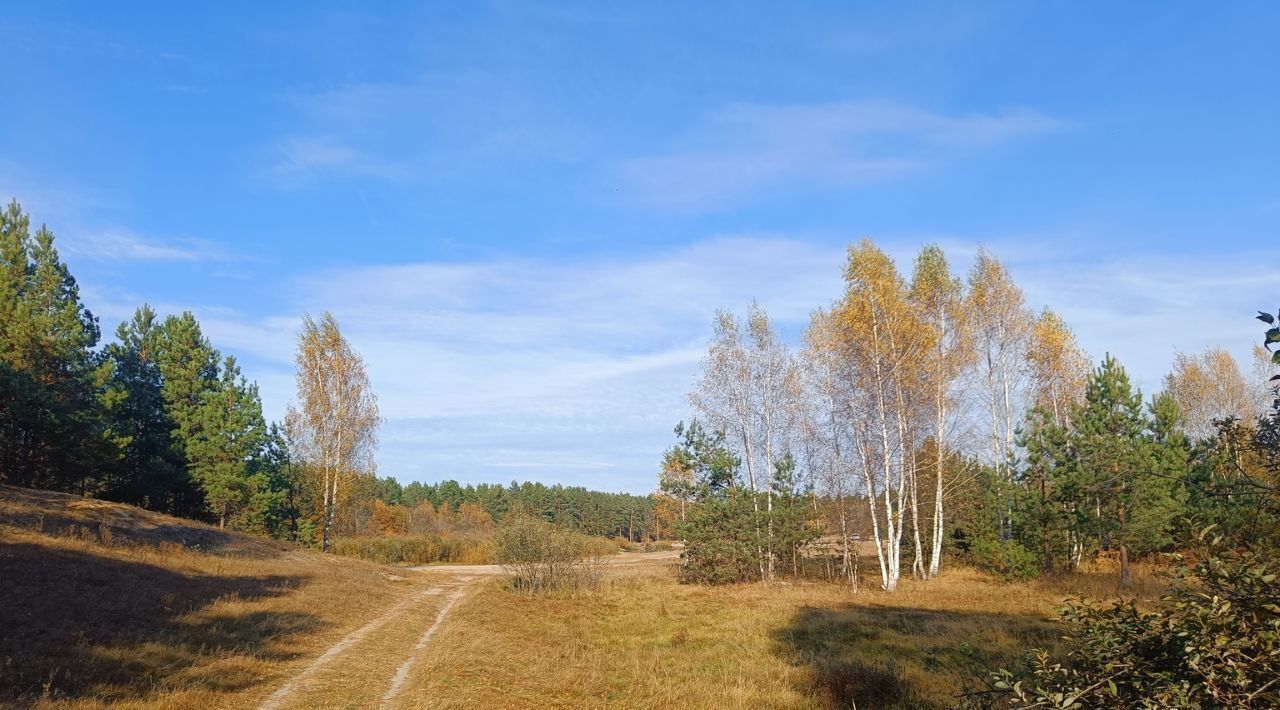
(643, 640)
(134, 618)
(106, 605)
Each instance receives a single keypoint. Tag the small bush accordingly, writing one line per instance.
(541, 557)
(417, 549)
(1215, 644)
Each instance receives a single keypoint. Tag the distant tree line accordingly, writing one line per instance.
(623, 515)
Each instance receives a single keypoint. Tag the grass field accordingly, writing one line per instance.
(107, 605)
(645, 640)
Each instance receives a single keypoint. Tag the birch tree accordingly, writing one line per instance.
(773, 375)
(825, 429)
(1262, 382)
(880, 333)
(1059, 368)
(333, 432)
(745, 391)
(723, 395)
(939, 298)
(1002, 326)
(1209, 387)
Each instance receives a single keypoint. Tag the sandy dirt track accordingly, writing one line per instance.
(401, 635)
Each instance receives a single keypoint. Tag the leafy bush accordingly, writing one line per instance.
(542, 557)
(417, 549)
(1216, 644)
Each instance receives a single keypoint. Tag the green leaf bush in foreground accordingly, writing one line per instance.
(1215, 643)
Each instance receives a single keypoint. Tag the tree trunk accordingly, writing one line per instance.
(1124, 551)
(326, 523)
(875, 520)
(844, 538)
(1046, 563)
(935, 559)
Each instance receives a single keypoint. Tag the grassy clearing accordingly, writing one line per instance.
(643, 640)
(104, 604)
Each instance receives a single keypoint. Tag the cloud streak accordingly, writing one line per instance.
(126, 246)
(434, 125)
(303, 159)
(759, 147)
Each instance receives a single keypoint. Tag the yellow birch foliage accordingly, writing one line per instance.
(1059, 367)
(1210, 386)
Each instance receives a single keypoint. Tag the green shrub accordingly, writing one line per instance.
(1009, 560)
(541, 557)
(1215, 644)
(722, 541)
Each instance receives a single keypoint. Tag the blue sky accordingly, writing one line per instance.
(524, 215)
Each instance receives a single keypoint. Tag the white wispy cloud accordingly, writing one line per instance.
(432, 126)
(758, 147)
(1144, 308)
(521, 368)
(123, 245)
(301, 159)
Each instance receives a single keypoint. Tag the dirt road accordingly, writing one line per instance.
(398, 640)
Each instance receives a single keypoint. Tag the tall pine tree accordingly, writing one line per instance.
(1126, 481)
(153, 471)
(229, 435)
(54, 390)
(188, 367)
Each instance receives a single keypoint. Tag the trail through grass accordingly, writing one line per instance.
(644, 640)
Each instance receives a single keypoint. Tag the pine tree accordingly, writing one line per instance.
(54, 391)
(152, 472)
(230, 434)
(1045, 515)
(1123, 471)
(274, 505)
(1164, 496)
(189, 370)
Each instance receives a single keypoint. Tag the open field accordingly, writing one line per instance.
(107, 605)
(644, 640)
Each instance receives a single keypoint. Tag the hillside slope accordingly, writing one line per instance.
(103, 603)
